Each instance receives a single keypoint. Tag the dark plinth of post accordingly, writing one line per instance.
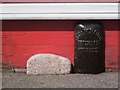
(89, 48)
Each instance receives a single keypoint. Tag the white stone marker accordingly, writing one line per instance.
(48, 64)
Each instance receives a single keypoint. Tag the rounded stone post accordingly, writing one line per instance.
(89, 47)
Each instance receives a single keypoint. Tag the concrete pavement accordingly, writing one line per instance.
(22, 80)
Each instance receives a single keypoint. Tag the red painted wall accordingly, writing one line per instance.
(22, 39)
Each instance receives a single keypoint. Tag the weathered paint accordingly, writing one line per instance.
(22, 39)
